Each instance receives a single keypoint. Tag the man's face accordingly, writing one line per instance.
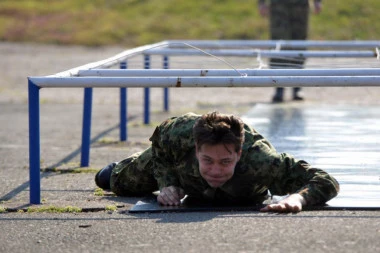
(217, 163)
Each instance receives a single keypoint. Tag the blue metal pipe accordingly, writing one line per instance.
(34, 144)
(86, 129)
(123, 109)
(146, 93)
(166, 90)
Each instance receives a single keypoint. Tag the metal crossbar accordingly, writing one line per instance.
(263, 53)
(337, 44)
(154, 82)
(227, 72)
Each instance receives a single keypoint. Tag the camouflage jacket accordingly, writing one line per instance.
(259, 169)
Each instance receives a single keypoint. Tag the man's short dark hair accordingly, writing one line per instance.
(216, 128)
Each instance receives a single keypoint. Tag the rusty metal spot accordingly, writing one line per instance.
(179, 82)
(204, 72)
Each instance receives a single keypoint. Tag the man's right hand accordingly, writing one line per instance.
(171, 196)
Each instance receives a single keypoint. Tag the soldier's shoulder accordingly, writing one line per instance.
(190, 115)
(179, 125)
(186, 119)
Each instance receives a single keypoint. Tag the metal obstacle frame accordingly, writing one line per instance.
(98, 74)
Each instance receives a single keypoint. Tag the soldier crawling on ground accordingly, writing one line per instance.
(217, 158)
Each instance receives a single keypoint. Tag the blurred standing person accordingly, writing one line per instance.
(288, 21)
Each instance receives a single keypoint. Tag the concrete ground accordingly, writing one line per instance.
(102, 227)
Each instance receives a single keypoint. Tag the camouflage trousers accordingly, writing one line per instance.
(288, 21)
(133, 176)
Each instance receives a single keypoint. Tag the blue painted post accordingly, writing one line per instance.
(146, 93)
(86, 128)
(123, 109)
(166, 90)
(34, 144)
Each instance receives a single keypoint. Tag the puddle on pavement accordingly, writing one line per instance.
(343, 140)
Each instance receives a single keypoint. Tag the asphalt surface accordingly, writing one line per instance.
(97, 228)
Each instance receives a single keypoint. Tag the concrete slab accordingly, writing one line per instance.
(150, 204)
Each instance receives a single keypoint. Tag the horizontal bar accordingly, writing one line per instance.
(217, 44)
(262, 53)
(228, 72)
(273, 43)
(280, 81)
(109, 62)
(170, 44)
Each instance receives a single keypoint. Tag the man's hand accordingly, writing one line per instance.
(171, 196)
(292, 203)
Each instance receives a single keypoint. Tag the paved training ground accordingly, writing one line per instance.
(333, 131)
(309, 136)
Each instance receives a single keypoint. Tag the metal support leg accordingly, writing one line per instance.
(166, 90)
(123, 109)
(86, 128)
(34, 144)
(146, 93)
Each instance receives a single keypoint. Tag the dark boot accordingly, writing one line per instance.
(103, 177)
(278, 96)
(296, 94)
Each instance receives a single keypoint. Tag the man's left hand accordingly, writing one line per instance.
(292, 203)
(171, 196)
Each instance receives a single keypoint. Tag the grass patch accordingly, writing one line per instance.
(54, 209)
(111, 208)
(70, 170)
(107, 140)
(132, 22)
(99, 192)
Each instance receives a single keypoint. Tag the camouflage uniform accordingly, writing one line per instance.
(171, 161)
(288, 21)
